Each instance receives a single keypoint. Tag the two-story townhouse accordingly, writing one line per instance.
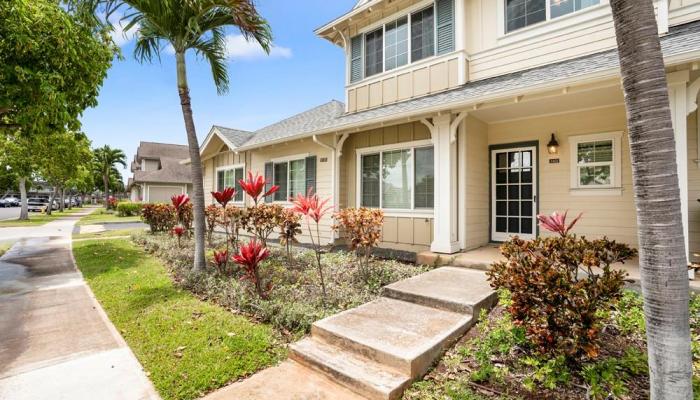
(158, 172)
(464, 119)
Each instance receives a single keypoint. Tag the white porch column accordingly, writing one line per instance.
(445, 223)
(677, 91)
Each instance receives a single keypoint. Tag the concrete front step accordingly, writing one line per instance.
(365, 377)
(449, 288)
(401, 335)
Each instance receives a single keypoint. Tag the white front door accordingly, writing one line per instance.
(513, 193)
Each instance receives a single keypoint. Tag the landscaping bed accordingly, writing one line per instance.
(492, 361)
(187, 347)
(295, 298)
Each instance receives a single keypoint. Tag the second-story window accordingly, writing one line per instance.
(373, 52)
(523, 13)
(396, 44)
(422, 34)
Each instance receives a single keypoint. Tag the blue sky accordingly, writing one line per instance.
(140, 102)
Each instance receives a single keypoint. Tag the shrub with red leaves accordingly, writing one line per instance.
(178, 231)
(160, 217)
(249, 257)
(225, 196)
(363, 228)
(314, 210)
(254, 186)
(559, 285)
(211, 216)
(221, 262)
(180, 202)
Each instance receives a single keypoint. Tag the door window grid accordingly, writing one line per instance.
(514, 192)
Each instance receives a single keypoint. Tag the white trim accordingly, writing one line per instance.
(413, 211)
(549, 25)
(612, 191)
(500, 236)
(405, 11)
(662, 20)
(615, 165)
(293, 157)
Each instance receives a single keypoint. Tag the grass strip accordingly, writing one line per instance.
(187, 346)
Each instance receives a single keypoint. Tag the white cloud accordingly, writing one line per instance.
(238, 48)
(120, 37)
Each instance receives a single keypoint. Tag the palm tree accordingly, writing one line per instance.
(106, 160)
(662, 255)
(197, 25)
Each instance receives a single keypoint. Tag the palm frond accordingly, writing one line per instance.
(213, 49)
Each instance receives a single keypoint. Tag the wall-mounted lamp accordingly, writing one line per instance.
(553, 145)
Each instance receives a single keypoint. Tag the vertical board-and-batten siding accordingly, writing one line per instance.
(404, 233)
(476, 193)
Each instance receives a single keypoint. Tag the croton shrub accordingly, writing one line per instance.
(560, 285)
(363, 229)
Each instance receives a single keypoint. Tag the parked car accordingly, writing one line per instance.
(9, 202)
(36, 204)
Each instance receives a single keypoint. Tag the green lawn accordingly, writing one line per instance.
(107, 234)
(39, 218)
(103, 216)
(187, 346)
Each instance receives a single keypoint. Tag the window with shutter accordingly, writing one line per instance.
(445, 26)
(311, 173)
(356, 59)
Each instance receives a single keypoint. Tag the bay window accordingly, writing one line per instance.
(522, 13)
(397, 178)
(230, 177)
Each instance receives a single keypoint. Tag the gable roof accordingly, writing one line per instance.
(235, 136)
(169, 157)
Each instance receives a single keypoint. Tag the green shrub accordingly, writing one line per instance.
(558, 306)
(160, 217)
(128, 209)
(608, 376)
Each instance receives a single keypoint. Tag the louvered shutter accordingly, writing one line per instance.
(356, 58)
(445, 26)
(311, 173)
(268, 176)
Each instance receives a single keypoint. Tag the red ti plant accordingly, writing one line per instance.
(254, 186)
(249, 257)
(557, 223)
(221, 261)
(314, 209)
(179, 201)
(178, 231)
(225, 196)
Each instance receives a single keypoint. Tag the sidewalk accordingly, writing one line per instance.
(55, 340)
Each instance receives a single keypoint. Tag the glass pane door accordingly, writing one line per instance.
(514, 193)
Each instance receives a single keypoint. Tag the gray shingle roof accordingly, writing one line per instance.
(331, 116)
(236, 136)
(169, 156)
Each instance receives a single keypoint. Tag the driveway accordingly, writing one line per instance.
(55, 340)
(9, 213)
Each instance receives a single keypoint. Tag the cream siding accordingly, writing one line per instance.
(611, 215)
(477, 190)
(401, 233)
(693, 188)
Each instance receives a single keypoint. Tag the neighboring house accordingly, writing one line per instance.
(159, 172)
(464, 119)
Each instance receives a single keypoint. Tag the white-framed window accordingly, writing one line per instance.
(403, 40)
(396, 177)
(596, 161)
(229, 177)
(523, 13)
(290, 176)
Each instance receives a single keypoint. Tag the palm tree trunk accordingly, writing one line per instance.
(24, 207)
(662, 253)
(105, 180)
(195, 163)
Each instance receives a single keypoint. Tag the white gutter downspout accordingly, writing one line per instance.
(335, 182)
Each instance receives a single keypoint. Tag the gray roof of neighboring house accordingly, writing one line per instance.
(169, 157)
(331, 116)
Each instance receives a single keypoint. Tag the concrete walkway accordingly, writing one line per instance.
(55, 340)
(376, 350)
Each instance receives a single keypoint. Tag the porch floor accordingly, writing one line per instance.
(482, 258)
